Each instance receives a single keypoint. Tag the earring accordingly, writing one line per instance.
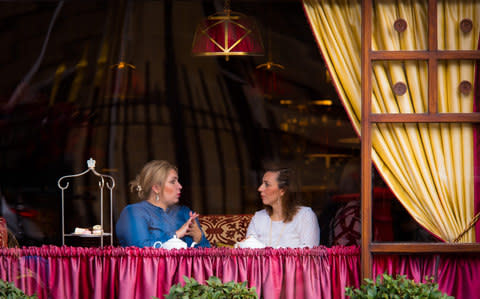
(157, 198)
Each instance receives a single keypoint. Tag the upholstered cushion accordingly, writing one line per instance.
(224, 230)
(3, 233)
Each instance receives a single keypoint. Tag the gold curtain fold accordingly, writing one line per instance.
(429, 167)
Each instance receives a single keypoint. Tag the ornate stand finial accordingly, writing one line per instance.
(91, 163)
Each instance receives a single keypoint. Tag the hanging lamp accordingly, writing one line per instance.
(227, 33)
(267, 72)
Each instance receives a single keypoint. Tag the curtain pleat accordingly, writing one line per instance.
(429, 167)
(74, 272)
(456, 274)
(68, 272)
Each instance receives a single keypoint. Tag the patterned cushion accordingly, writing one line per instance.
(225, 230)
(3, 233)
(347, 225)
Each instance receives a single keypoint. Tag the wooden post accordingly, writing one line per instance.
(366, 145)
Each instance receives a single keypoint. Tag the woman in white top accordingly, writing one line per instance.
(283, 222)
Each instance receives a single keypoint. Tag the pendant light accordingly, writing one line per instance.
(227, 33)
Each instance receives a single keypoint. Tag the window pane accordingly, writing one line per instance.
(458, 24)
(455, 86)
(430, 169)
(400, 86)
(400, 25)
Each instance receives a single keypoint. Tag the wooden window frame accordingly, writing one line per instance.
(432, 55)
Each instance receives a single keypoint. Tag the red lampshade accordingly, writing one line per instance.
(225, 34)
(271, 85)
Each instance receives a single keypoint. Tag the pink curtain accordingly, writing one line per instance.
(74, 272)
(457, 275)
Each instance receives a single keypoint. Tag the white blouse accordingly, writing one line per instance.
(302, 231)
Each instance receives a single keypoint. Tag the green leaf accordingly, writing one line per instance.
(388, 287)
(9, 290)
(213, 289)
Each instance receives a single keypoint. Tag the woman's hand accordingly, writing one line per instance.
(193, 229)
(194, 232)
(188, 228)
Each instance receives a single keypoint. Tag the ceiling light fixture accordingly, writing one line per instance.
(227, 33)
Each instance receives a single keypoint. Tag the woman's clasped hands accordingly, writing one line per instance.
(190, 228)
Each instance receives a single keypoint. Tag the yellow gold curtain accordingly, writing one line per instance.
(429, 167)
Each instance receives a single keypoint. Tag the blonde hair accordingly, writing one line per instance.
(154, 172)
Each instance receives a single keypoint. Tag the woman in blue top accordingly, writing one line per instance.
(158, 218)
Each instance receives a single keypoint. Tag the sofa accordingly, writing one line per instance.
(225, 230)
(3, 233)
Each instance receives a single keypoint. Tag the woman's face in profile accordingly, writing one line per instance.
(172, 188)
(269, 190)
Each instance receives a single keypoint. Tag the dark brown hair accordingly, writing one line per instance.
(287, 181)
